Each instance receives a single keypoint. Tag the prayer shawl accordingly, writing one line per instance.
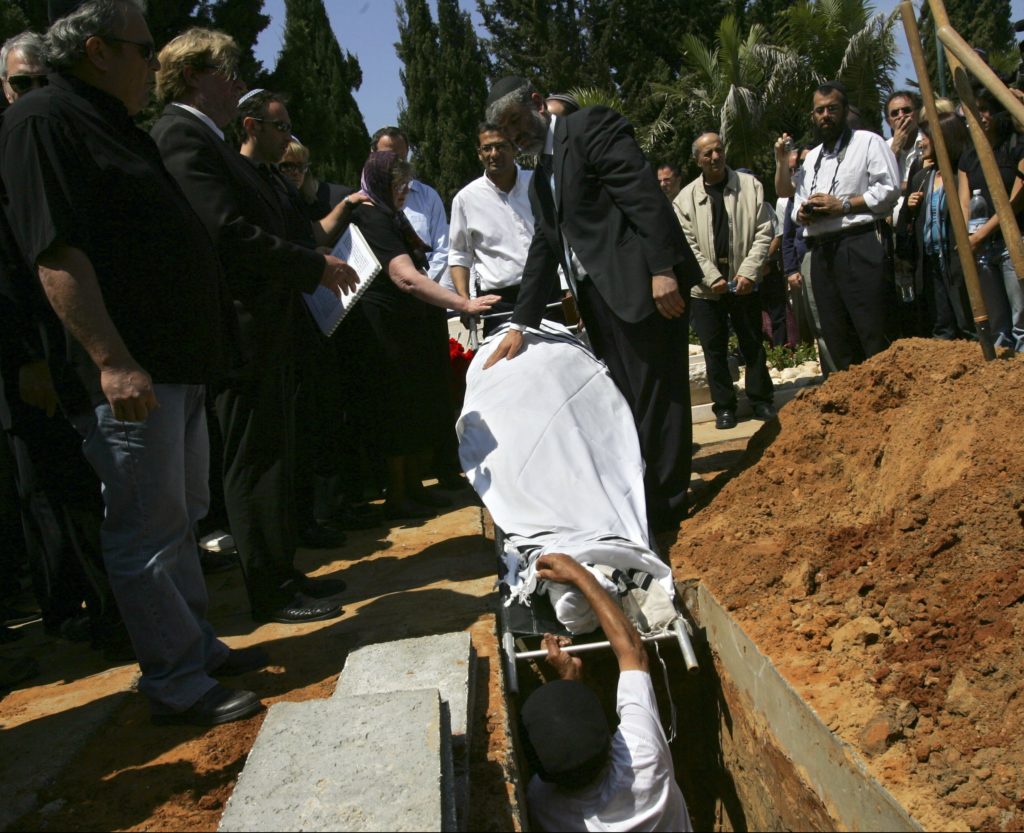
(549, 444)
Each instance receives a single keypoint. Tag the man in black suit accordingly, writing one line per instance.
(237, 202)
(600, 215)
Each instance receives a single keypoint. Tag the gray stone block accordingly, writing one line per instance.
(361, 763)
(445, 662)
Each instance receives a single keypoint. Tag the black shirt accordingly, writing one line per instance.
(1008, 159)
(719, 218)
(387, 242)
(77, 171)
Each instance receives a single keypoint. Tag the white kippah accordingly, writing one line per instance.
(250, 94)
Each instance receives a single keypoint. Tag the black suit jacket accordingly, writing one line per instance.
(613, 215)
(248, 224)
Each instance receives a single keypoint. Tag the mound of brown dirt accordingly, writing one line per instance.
(873, 547)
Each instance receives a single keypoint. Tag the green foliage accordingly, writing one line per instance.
(445, 81)
(982, 23)
(319, 78)
(783, 357)
(12, 21)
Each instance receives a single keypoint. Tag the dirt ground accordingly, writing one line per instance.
(130, 775)
(872, 544)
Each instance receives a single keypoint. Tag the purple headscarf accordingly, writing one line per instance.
(376, 183)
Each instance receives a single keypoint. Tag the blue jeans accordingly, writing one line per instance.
(155, 478)
(1014, 336)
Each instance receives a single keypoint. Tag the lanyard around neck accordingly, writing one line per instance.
(840, 149)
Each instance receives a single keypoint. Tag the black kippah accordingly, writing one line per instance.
(504, 87)
(56, 9)
(566, 727)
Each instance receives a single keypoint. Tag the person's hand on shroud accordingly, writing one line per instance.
(509, 348)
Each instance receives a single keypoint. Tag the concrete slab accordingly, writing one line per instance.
(444, 662)
(370, 762)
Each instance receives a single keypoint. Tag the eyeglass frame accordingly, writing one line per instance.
(831, 109)
(147, 49)
(230, 75)
(31, 81)
(280, 126)
(900, 111)
(297, 167)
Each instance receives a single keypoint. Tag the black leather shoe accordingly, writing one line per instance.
(214, 562)
(765, 412)
(298, 609)
(242, 661)
(319, 588)
(319, 537)
(725, 420)
(218, 705)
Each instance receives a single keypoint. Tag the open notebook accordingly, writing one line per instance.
(328, 309)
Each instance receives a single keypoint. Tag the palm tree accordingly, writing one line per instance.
(728, 87)
(846, 41)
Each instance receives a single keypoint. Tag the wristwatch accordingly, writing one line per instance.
(847, 206)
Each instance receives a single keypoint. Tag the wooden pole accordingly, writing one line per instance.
(959, 48)
(949, 180)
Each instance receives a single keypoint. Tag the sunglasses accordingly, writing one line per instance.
(22, 84)
(228, 74)
(292, 168)
(900, 111)
(147, 49)
(282, 126)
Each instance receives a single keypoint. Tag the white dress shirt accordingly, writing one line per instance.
(205, 119)
(864, 167)
(425, 211)
(491, 231)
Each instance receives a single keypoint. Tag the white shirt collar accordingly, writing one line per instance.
(511, 190)
(205, 119)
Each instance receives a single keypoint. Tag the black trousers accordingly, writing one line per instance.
(257, 422)
(774, 302)
(711, 321)
(509, 295)
(855, 296)
(648, 362)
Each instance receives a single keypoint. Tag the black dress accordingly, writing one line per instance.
(406, 361)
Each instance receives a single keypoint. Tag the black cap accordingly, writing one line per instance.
(56, 9)
(566, 728)
(504, 87)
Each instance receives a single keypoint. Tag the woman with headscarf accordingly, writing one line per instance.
(409, 364)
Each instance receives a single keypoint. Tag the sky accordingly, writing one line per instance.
(369, 29)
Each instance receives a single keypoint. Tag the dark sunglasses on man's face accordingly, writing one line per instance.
(147, 49)
(22, 84)
(900, 111)
(282, 126)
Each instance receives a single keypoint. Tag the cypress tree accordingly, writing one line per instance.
(417, 48)
(319, 79)
(985, 24)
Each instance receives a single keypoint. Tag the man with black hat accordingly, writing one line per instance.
(600, 214)
(587, 777)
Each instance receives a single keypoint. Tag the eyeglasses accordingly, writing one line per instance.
(497, 147)
(229, 74)
(22, 84)
(282, 126)
(147, 49)
(293, 167)
(832, 109)
(900, 111)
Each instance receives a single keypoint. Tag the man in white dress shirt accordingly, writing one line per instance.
(492, 226)
(844, 189)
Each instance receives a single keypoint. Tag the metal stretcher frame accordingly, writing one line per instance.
(518, 621)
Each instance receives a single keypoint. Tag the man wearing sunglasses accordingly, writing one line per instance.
(132, 274)
(23, 65)
(901, 115)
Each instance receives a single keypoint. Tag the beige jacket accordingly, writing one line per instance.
(750, 229)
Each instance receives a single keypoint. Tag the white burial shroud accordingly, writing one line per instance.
(549, 444)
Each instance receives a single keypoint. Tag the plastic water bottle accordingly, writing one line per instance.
(977, 216)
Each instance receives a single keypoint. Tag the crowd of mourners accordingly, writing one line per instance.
(170, 408)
